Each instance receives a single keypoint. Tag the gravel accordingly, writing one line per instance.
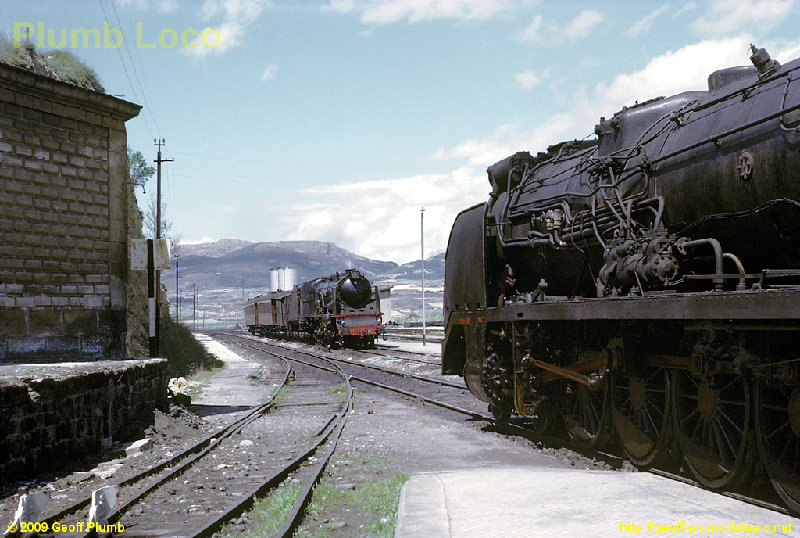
(385, 435)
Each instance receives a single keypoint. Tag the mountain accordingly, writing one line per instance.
(229, 270)
(214, 249)
(233, 263)
(434, 270)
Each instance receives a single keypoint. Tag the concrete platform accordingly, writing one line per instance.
(517, 501)
(233, 386)
(430, 348)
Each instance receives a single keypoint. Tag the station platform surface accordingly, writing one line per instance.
(234, 385)
(526, 502)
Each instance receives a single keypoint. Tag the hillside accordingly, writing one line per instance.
(229, 270)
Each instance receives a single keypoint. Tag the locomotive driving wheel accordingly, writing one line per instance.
(778, 432)
(712, 421)
(642, 415)
(586, 411)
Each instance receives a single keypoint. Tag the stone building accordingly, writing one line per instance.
(67, 211)
(63, 218)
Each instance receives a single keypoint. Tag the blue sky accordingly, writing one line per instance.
(337, 120)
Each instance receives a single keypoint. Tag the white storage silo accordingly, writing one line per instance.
(274, 279)
(290, 278)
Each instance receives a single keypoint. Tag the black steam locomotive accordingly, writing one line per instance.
(341, 309)
(644, 286)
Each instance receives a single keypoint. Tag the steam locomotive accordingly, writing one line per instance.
(342, 309)
(643, 287)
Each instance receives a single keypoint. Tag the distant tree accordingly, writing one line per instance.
(149, 217)
(140, 172)
(138, 169)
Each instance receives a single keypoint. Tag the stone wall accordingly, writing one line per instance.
(63, 218)
(54, 414)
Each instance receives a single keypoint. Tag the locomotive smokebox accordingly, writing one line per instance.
(355, 291)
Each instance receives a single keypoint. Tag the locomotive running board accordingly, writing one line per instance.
(763, 305)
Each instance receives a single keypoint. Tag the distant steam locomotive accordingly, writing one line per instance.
(341, 309)
(645, 285)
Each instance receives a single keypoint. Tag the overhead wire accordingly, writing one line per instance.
(275, 163)
(148, 107)
(125, 69)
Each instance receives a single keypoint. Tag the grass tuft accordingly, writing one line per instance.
(185, 354)
(269, 513)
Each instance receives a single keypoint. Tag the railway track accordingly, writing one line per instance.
(170, 468)
(353, 368)
(391, 352)
(153, 502)
(424, 388)
(449, 397)
(328, 435)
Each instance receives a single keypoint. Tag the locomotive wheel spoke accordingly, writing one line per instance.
(778, 436)
(712, 421)
(586, 412)
(641, 413)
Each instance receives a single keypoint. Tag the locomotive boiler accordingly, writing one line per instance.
(341, 309)
(643, 287)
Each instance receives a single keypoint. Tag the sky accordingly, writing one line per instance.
(339, 120)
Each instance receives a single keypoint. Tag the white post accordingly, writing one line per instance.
(422, 252)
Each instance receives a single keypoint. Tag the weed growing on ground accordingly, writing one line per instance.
(269, 513)
(281, 397)
(377, 500)
(202, 378)
(341, 388)
(371, 505)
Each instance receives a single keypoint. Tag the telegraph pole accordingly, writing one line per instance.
(177, 291)
(194, 308)
(158, 160)
(422, 255)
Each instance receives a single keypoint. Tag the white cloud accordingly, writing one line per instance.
(644, 24)
(725, 17)
(532, 32)
(579, 27)
(390, 11)
(269, 72)
(237, 10)
(528, 79)
(162, 6)
(237, 17)
(675, 71)
(204, 239)
(687, 7)
(787, 51)
(382, 217)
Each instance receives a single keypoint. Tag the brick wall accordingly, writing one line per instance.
(63, 218)
(55, 414)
